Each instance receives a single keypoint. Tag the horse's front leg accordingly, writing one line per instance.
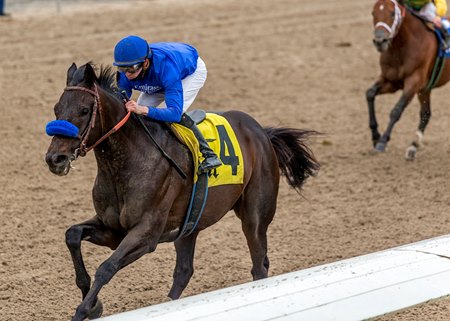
(380, 87)
(184, 268)
(139, 241)
(371, 93)
(93, 231)
(410, 89)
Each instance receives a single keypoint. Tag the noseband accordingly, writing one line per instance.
(399, 13)
(83, 149)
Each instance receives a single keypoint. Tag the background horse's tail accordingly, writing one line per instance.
(295, 158)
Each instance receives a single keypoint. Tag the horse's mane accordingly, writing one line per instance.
(106, 78)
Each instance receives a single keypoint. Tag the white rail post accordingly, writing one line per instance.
(355, 289)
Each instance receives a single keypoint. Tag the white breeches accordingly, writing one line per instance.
(428, 11)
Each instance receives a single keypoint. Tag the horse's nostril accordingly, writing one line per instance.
(56, 159)
(378, 41)
(60, 159)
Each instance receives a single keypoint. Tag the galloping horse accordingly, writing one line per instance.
(408, 61)
(140, 199)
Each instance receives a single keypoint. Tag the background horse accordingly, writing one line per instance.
(140, 199)
(408, 54)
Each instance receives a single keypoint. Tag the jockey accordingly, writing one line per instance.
(169, 77)
(433, 11)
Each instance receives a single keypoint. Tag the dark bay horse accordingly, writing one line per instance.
(140, 200)
(408, 54)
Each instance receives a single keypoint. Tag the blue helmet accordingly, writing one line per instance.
(131, 50)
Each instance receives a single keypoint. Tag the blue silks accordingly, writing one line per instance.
(61, 127)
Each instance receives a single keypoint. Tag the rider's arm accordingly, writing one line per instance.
(174, 102)
(173, 95)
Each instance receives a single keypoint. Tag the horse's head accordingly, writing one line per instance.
(387, 18)
(75, 112)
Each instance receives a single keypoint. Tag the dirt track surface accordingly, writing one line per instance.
(294, 63)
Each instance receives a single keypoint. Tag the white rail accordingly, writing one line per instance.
(354, 289)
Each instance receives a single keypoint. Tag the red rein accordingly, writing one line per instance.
(83, 149)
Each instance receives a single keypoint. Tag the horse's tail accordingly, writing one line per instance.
(295, 158)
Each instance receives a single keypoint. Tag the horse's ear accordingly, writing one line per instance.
(71, 72)
(89, 75)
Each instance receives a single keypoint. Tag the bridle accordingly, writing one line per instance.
(83, 149)
(399, 14)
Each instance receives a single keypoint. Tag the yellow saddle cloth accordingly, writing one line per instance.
(222, 140)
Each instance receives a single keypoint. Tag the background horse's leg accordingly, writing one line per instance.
(371, 93)
(139, 241)
(184, 267)
(425, 114)
(93, 231)
(396, 113)
(380, 87)
(256, 209)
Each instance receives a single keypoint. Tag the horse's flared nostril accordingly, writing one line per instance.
(56, 159)
(381, 44)
(378, 41)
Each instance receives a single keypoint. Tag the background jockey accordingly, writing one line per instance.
(169, 77)
(433, 11)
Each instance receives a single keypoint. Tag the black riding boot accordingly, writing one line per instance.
(211, 160)
(447, 40)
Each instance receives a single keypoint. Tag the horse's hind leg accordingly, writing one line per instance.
(425, 114)
(95, 232)
(256, 210)
(184, 267)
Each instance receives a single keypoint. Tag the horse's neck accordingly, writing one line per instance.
(407, 35)
(131, 145)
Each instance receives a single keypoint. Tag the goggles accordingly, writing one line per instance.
(131, 69)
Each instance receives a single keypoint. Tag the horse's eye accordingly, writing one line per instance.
(84, 111)
(393, 14)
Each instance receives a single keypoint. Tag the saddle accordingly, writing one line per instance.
(197, 115)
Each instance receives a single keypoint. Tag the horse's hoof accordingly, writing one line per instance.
(411, 153)
(380, 147)
(96, 311)
(168, 299)
(375, 141)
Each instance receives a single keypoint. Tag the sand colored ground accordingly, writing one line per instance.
(295, 63)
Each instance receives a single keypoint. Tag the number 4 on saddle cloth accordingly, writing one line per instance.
(222, 140)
